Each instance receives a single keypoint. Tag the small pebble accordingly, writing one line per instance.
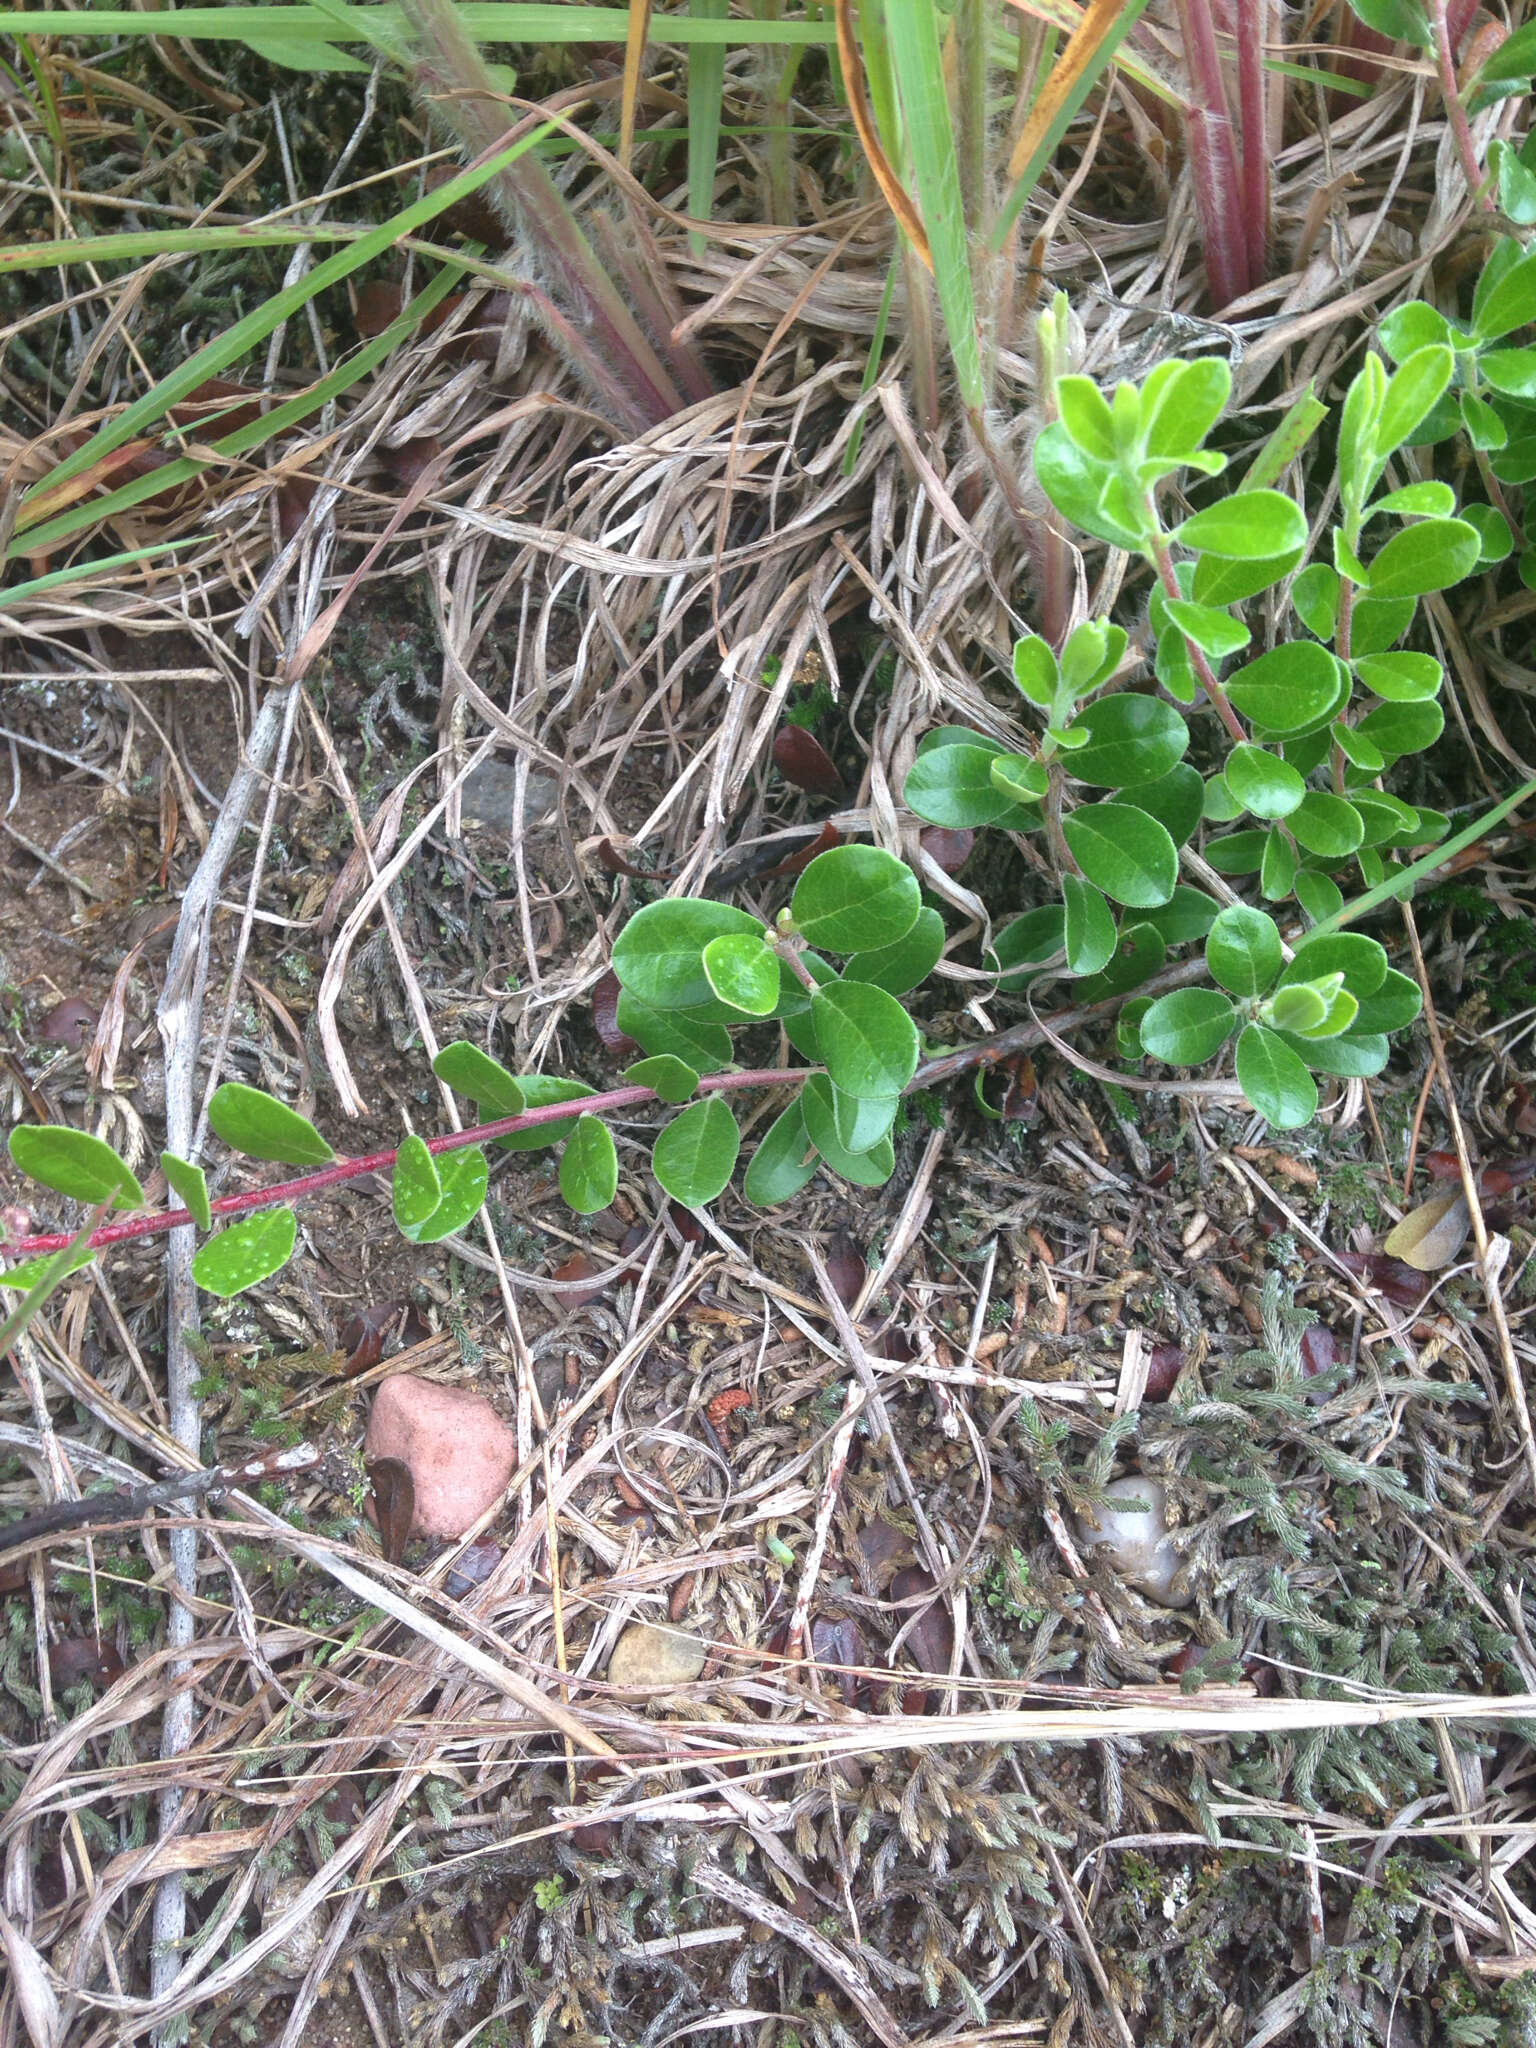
(648, 1655)
(1140, 1547)
(459, 1452)
(302, 1944)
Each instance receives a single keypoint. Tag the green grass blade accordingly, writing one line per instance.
(41, 539)
(872, 360)
(76, 572)
(226, 349)
(918, 63)
(706, 93)
(1403, 880)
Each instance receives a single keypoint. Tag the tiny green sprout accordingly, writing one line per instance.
(548, 1893)
(780, 1551)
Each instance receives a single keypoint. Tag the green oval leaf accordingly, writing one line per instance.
(1130, 740)
(1024, 945)
(1246, 527)
(1361, 961)
(908, 963)
(743, 971)
(1430, 556)
(1319, 896)
(74, 1163)
(1391, 1007)
(246, 1253)
(783, 1163)
(1140, 951)
(1275, 1079)
(1354, 1057)
(1292, 689)
(416, 1187)
(659, 955)
(861, 1121)
(589, 1166)
(856, 898)
(696, 1153)
(870, 1169)
(1187, 1028)
(1399, 729)
(538, 1092)
(1315, 599)
(485, 1081)
(1297, 1010)
(1326, 825)
(1089, 930)
(52, 1266)
(1215, 632)
(1277, 870)
(1035, 671)
(1020, 777)
(1238, 853)
(706, 1047)
(673, 1079)
(191, 1183)
(1087, 491)
(1188, 914)
(868, 1043)
(1262, 783)
(1176, 800)
(1122, 851)
(1243, 950)
(263, 1128)
(953, 786)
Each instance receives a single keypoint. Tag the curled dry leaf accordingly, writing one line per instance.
(946, 848)
(931, 1639)
(846, 1269)
(394, 1505)
(801, 759)
(1430, 1236)
(605, 1015)
(79, 1659)
(838, 1646)
(408, 462)
(792, 863)
(881, 1544)
(1022, 1100)
(471, 1568)
(1391, 1277)
(364, 1335)
(1163, 1368)
(682, 1593)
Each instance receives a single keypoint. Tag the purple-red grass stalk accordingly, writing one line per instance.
(1253, 18)
(1213, 158)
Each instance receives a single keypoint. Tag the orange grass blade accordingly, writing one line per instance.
(634, 57)
(896, 196)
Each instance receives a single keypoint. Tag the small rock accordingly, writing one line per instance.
(648, 1655)
(302, 1944)
(1140, 1547)
(459, 1452)
(489, 800)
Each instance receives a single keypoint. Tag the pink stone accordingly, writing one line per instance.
(459, 1451)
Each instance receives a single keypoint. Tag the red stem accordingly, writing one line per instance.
(1222, 704)
(155, 1221)
(1213, 158)
(1252, 27)
(1455, 109)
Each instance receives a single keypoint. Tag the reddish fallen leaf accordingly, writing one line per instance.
(1503, 1177)
(407, 462)
(78, 1660)
(364, 1335)
(69, 1023)
(792, 863)
(471, 1568)
(881, 1543)
(932, 1636)
(682, 1593)
(294, 499)
(1163, 1368)
(579, 1267)
(594, 1837)
(846, 1269)
(946, 848)
(605, 1015)
(685, 1223)
(838, 1645)
(801, 759)
(1399, 1283)
(894, 1344)
(1160, 1176)
(394, 1505)
(1441, 1165)
(379, 304)
(1319, 1351)
(1022, 1101)
(609, 857)
(473, 217)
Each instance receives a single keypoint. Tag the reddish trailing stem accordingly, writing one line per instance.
(1253, 18)
(1213, 158)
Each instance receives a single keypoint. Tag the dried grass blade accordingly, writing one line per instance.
(634, 58)
(896, 196)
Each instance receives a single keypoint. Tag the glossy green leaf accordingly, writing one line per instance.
(1140, 952)
(1326, 825)
(1428, 500)
(743, 972)
(1122, 851)
(1086, 416)
(191, 1184)
(1358, 752)
(1361, 961)
(1089, 930)
(1023, 945)
(1243, 950)
(248, 1252)
(1510, 370)
(953, 786)
(783, 1162)
(52, 1266)
(659, 955)
(1275, 1079)
(1413, 326)
(703, 1046)
(1262, 782)
(1181, 402)
(1237, 853)
(1410, 392)
(1403, 728)
(1088, 492)
(1189, 1027)
(1379, 623)
(696, 1153)
(263, 1128)
(74, 1163)
(856, 898)
(416, 1187)
(1315, 599)
(868, 1043)
(1319, 896)
(1221, 580)
(1216, 632)
(673, 1079)
(485, 1081)
(1430, 556)
(1511, 302)
(865, 1169)
(1296, 1009)
(1217, 803)
(1019, 777)
(1356, 1055)
(1339, 1012)
(1130, 739)
(908, 963)
(1494, 533)
(1176, 800)
(862, 1121)
(459, 1179)
(539, 1091)
(1391, 1007)
(1091, 655)
(1277, 870)
(1402, 678)
(1386, 821)
(589, 1166)
(1292, 689)
(1187, 915)
(1035, 671)
(1246, 527)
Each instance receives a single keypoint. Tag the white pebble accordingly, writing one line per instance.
(1140, 1547)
